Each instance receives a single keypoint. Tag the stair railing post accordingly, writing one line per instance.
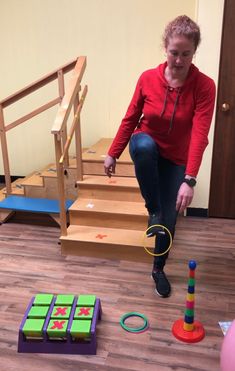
(61, 186)
(78, 142)
(61, 84)
(5, 153)
(61, 94)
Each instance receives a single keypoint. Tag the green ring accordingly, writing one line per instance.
(134, 329)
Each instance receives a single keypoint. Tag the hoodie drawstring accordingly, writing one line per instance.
(174, 109)
(165, 100)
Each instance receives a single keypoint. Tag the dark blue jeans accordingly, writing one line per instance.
(159, 181)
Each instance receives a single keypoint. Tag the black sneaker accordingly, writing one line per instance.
(163, 287)
(153, 220)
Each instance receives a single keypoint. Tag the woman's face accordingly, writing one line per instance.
(179, 51)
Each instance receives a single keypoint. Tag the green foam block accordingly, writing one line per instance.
(80, 329)
(86, 300)
(43, 299)
(33, 327)
(38, 311)
(61, 311)
(84, 312)
(57, 328)
(64, 299)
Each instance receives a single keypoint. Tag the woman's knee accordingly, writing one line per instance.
(143, 144)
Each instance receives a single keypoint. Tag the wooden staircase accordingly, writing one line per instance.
(43, 183)
(108, 219)
(108, 216)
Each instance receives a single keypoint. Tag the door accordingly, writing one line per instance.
(222, 187)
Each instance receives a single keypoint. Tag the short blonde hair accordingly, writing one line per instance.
(182, 25)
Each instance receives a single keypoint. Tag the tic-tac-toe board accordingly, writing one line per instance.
(60, 324)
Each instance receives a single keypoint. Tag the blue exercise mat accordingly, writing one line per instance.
(37, 205)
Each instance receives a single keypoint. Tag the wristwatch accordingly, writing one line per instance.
(190, 181)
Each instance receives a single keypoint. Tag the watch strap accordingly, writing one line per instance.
(190, 181)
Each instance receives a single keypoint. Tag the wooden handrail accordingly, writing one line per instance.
(4, 127)
(32, 114)
(36, 85)
(69, 97)
(4, 149)
(73, 126)
(62, 141)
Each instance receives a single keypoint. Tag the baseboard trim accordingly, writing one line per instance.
(197, 211)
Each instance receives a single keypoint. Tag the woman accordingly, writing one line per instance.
(167, 124)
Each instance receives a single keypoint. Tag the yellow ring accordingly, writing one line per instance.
(170, 244)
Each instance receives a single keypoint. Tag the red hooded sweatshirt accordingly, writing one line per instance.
(178, 119)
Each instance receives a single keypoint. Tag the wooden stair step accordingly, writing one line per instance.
(98, 152)
(109, 182)
(93, 159)
(115, 214)
(97, 168)
(115, 188)
(36, 178)
(16, 186)
(33, 180)
(50, 172)
(106, 243)
(2, 194)
(34, 185)
(106, 206)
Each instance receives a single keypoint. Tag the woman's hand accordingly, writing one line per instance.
(184, 197)
(109, 165)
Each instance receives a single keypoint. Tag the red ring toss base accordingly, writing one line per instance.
(194, 336)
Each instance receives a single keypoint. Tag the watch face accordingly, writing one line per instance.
(191, 182)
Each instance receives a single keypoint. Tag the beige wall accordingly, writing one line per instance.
(209, 17)
(120, 38)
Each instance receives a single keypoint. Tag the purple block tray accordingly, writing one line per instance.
(67, 346)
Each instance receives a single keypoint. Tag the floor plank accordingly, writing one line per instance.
(30, 263)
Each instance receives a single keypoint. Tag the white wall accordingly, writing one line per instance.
(120, 38)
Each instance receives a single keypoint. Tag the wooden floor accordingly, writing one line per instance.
(30, 263)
